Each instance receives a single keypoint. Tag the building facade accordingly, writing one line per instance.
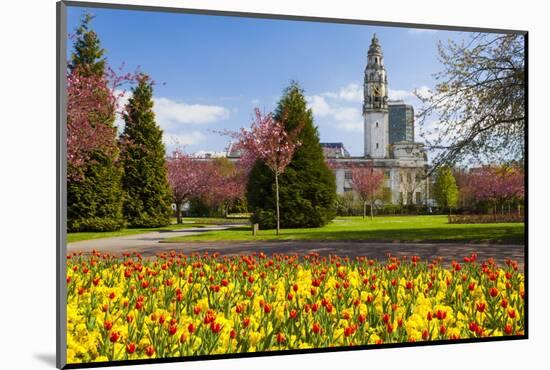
(401, 118)
(389, 144)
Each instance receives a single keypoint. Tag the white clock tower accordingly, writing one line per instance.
(375, 104)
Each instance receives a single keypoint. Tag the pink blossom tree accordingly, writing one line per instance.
(267, 141)
(226, 184)
(188, 178)
(367, 183)
(92, 101)
(497, 184)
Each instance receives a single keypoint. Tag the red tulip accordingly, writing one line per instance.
(215, 327)
(504, 303)
(508, 329)
(114, 336)
(130, 348)
(173, 329)
(425, 334)
(316, 328)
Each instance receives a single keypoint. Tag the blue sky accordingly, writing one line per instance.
(216, 69)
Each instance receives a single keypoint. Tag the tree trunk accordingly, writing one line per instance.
(371, 210)
(364, 209)
(178, 213)
(277, 201)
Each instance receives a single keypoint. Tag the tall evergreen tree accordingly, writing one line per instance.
(307, 188)
(147, 195)
(94, 199)
(88, 53)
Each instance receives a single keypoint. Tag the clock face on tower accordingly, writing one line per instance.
(376, 90)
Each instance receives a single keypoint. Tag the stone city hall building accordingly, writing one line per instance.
(388, 141)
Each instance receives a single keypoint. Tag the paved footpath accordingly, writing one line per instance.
(150, 244)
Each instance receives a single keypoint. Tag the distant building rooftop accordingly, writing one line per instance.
(232, 151)
(396, 102)
(334, 150)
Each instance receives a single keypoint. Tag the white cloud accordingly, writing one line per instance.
(343, 117)
(408, 96)
(424, 91)
(123, 96)
(351, 92)
(400, 94)
(183, 139)
(319, 105)
(170, 113)
(342, 108)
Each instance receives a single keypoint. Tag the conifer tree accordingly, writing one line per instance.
(147, 195)
(94, 197)
(307, 188)
(88, 53)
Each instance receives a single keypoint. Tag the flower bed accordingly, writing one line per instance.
(178, 305)
(486, 219)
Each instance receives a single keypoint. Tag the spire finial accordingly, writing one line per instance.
(374, 45)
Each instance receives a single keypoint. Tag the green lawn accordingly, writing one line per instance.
(75, 237)
(392, 228)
